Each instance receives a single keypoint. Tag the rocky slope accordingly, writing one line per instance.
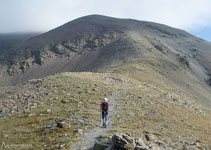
(94, 43)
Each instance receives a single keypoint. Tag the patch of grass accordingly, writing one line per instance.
(149, 105)
(144, 104)
(183, 60)
(82, 103)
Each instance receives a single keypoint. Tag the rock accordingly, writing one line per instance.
(195, 143)
(95, 89)
(34, 106)
(63, 125)
(129, 139)
(156, 147)
(187, 147)
(62, 145)
(66, 134)
(162, 145)
(150, 137)
(127, 142)
(1, 116)
(68, 94)
(123, 142)
(48, 110)
(81, 122)
(141, 148)
(140, 144)
(50, 127)
(192, 146)
(140, 97)
(65, 101)
(6, 135)
(30, 115)
(79, 131)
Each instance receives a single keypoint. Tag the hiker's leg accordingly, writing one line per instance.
(106, 119)
(103, 118)
(103, 122)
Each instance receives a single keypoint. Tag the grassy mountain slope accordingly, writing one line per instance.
(162, 108)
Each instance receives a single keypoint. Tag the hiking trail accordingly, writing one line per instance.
(89, 139)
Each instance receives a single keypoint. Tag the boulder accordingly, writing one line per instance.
(150, 137)
(129, 139)
(123, 142)
(140, 145)
(63, 125)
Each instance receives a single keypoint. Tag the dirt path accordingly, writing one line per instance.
(89, 139)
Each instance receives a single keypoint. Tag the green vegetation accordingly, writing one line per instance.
(160, 108)
(147, 105)
(183, 60)
(71, 98)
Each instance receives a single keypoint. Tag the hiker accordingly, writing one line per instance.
(104, 107)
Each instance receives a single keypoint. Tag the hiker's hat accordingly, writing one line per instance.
(105, 99)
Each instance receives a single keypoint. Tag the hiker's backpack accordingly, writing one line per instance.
(105, 107)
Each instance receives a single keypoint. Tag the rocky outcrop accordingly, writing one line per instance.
(59, 124)
(26, 96)
(83, 45)
(124, 141)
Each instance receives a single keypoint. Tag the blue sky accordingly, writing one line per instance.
(194, 16)
(204, 33)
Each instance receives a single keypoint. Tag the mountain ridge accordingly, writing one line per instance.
(95, 38)
(30, 112)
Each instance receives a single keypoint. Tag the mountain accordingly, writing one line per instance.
(94, 43)
(157, 79)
